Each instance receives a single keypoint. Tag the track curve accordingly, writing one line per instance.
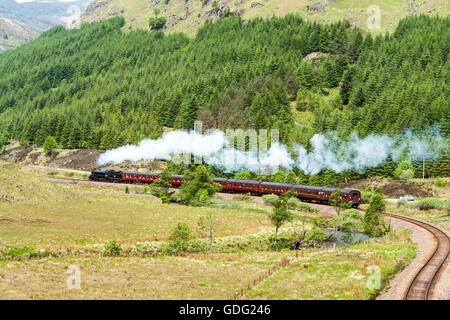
(423, 283)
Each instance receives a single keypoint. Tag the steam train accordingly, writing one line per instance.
(304, 193)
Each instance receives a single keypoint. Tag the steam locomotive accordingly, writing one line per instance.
(305, 193)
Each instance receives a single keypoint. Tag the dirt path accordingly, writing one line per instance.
(426, 245)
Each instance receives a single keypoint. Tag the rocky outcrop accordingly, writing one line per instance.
(256, 5)
(11, 29)
(319, 6)
(96, 5)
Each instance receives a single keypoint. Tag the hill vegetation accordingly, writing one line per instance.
(189, 15)
(101, 87)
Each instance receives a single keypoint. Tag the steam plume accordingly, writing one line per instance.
(327, 151)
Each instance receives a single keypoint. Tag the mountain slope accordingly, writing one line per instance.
(99, 86)
(22, 21)
(188, 15)
(13, 33)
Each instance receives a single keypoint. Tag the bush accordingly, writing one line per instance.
(157, 23)
(403, 166)
(315, 235)
(296, 204)
(201, 199)
(433, 203)
(366, 194)
(182, 239)
(406, 175)
(49, 144)
(350, 220)
(401, 203)
(374, 225)
(293, 203)
(353, 214)
(23, 252)
(270, 198)
(112, 248)
(438, 182)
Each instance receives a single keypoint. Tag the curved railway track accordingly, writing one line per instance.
(421, 287)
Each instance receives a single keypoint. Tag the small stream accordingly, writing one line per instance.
(340, 238)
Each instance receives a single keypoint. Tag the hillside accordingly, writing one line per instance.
(13, 33)
(102, 92)
(187, 15)
(22, 21)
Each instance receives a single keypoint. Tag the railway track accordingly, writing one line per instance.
(423, 283)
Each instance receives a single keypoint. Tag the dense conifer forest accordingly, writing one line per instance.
(101, 87)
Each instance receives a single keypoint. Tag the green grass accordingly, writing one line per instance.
(439, 218)
(338, 273)
(44, 214)
(196, 276)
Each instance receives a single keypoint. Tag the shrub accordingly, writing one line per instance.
(401, 203)
(293, 203)
(182, 239)
(350, 220)
(127, 190)
(338, 202)
(353, 214)
(296, 204)
(157, 23)
(198, 187)
(366, 194)
(374, 224)
(23, 252)
(406, 175)
(50, 144)
(403, 166)
(201, 199)
(438, 182)
(433, 203)
(112, 248)
(270, 198)
(315, 235)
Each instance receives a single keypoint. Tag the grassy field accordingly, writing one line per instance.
(437, 217)
(340, 273)
(189, 277)
(72, 222)
(40, 213)
(318, 274)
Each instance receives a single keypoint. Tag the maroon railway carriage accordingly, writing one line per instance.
(274, 187)
(235, 185)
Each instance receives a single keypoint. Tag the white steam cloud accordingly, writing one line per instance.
(327, 151)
